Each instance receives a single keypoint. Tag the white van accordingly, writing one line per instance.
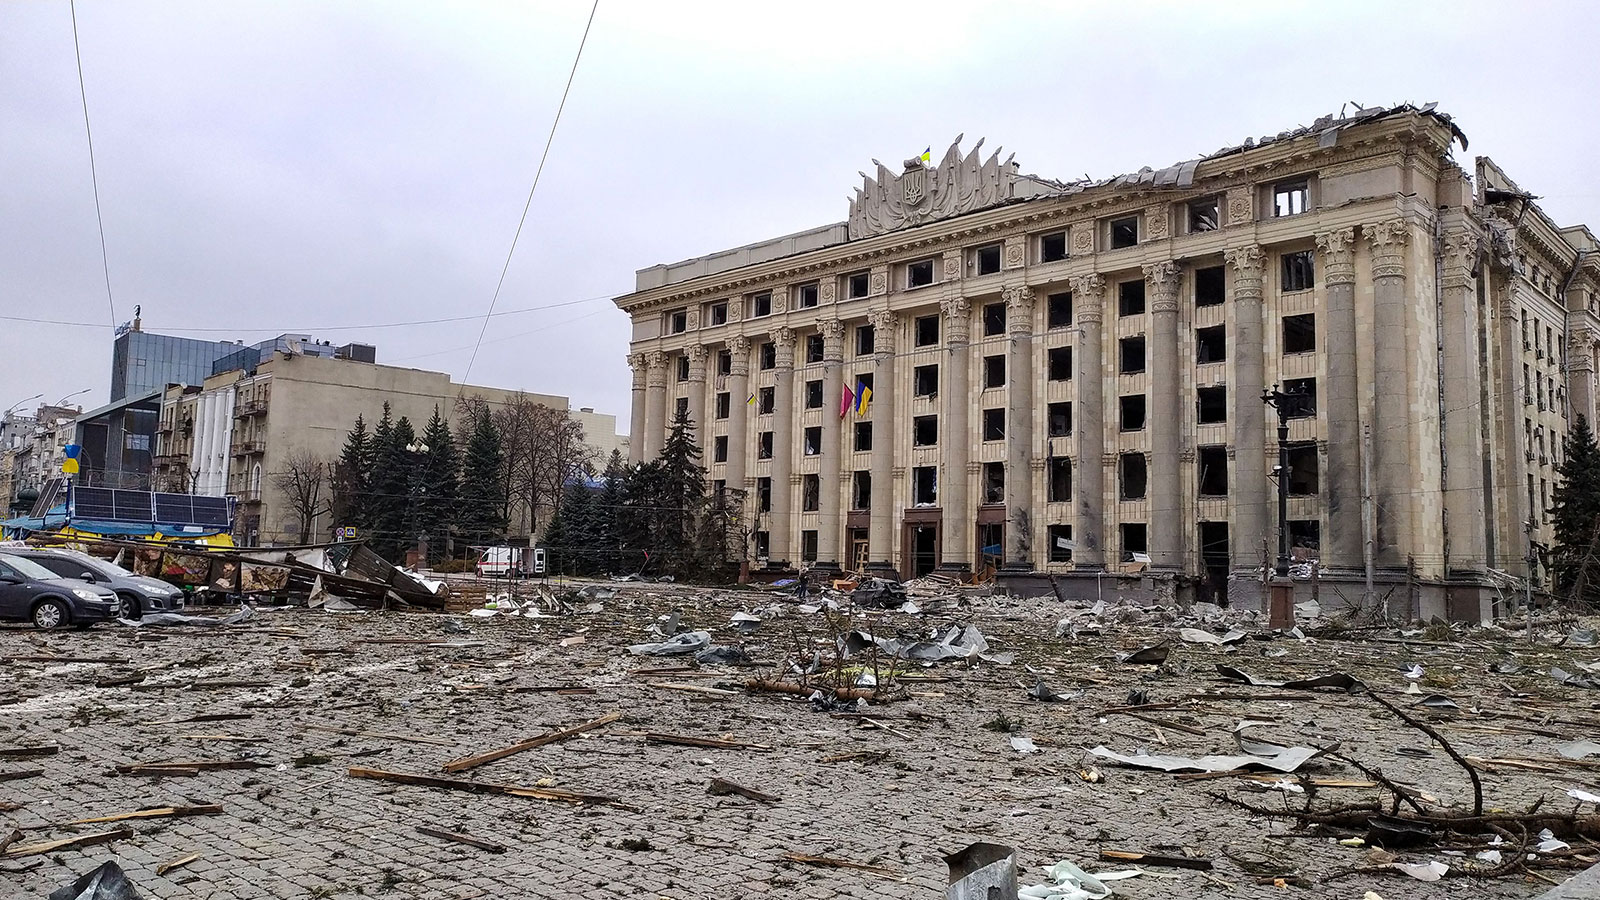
(511, 562)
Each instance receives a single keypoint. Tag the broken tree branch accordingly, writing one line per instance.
(1477, 785)
(471, 762)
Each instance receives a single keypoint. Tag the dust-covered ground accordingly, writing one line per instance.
(303, 696)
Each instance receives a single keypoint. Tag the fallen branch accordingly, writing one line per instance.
(481, 787)
(709, 743)
(471, 762)
(1477, 786)
(460, 838)
(832, 863)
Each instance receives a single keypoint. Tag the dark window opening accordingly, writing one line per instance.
(861, 490)
(863, 436)
(683, 368)
(1303, 469)
(1060, 480)
(1053, 247)
(718, 314)
(810, 493)
(764, 445)
(1058, 311)
(994, 371)
(994, 482)
(763, 544)
(1213, 462)
(809, 295)
(1300, 333)
(1132, 354)
(1290, 198)
(1131, 475)
(1134, 540)
(994, 319)
(1130, 298)
(1124, 232)
(919, 273)
(1059, 417)
(988, 259)
(1203, 215)
(764, 494)
(1060, 537)
(766, 400)
(1299, 271)
(924, 431)
(681, 407)
(1132, 412)
(761, 305)
(1304, 534)
(1210, 344)
(814, 394)
(1302, 400)
(1210, 286)
(724, 404)
(1213, 402)
(857, 285)
(719, 448)
(927, 331)
(768, 355)
(813, 440)
(678, 321)
(814, 347)
(808, 546)
(1059, 360)
(724, 362)
(866, 339)
(925, 381)
(924, 485)
(994, 424)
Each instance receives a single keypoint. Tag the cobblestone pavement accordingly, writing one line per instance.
(412, 691)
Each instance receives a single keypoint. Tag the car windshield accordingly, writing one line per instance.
(103, 566)
(27, 568)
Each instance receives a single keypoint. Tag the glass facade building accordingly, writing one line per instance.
(142, 362)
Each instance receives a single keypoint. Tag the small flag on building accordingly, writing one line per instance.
(846, 401)
(863, 397)
(752, 400)
(927, 155)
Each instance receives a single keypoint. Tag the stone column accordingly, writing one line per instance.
(697, 395)
(1019, 427)
(1089, 430)
(1580, 376)
(784, 449)
(1391, 422)
(1166, 420)
(1463, 424)
(1342, 548)
(1250, 506)
(655, 406)
(830, 512)
(956, 441)
(1512, 498)
(739, 418)
(637, 362)
(882, 517)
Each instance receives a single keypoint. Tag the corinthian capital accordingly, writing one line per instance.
(783, 338)
(739, 355)
(1249, 263)
(1088, 297)
(1338, 249)
(1460, 253)
(957, 320)
(883, 330)
(657, 376)
(1162, 278)
(832, 331)
(1388, 241)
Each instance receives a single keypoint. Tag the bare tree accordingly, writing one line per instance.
(543, 448)
(301, 482)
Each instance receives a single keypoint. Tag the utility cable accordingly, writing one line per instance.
(94, 178)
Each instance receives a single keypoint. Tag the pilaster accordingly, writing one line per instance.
(1166, 421)
(1342, 548)
(1089, 441)
(1251, 517)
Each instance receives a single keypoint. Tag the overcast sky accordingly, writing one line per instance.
(329, 167)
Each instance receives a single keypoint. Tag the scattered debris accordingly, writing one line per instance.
(460, 838)
(1145, 656)
(1287, 759)
(472, 762)
(677, 645)
(982, 871)
(1340, 680)
(723, 787)
(107, 882)
(459, 784)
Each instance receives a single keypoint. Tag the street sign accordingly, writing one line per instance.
(345, 533)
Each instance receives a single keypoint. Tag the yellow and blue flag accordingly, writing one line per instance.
(927, 155)
(863, 397)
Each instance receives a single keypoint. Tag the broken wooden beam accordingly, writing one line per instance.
(8, 840)
(460, 838)
(382, 735)
(686, 740)
(20, 773)
(472, 762)
(198, 765)
(722, 787)
(176, 862)
(482, 787)
(29, 752)
(81, 840)
(1155, 859)
(159, 812)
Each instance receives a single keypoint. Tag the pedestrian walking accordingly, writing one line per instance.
(802, 584)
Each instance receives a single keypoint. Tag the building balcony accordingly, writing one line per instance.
(248, 448)
(250, 408)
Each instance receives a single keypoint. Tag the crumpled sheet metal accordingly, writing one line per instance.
(953, 641)
(245, 614)
(1287, 760)
(688, 642)
(1341, 680)
(1073, 883)
(108, 882)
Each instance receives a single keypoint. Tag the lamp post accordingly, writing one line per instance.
(14, 406)
(70, 396)
(1280, 607)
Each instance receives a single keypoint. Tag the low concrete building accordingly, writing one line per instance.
(1066, 379)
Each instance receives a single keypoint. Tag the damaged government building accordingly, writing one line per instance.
(1064, 380)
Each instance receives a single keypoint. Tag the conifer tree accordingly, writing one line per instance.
(1576, 516)
(394, 487)
(482, 518)
(350, 485)
(438, 486)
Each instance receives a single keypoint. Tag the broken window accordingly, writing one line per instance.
(1210, 344)
(719, 448)
(1053, 247)
(925, 381)
(1303, 469)
(1213, 464)
(863, 440)
(866, 338)
(717, 314)
(924, 485)
(763, 544)
(764, 494)
(1131, 475)
(683, 368)
(994, 424)
(809, 295)
(678, 321)
(919, 273)
(1302, 400)
(1133, 540)
(814, 394)
(924, 431)
(1299, 271)
(719, 487)
(1290, 198)
(1210, 286)
(927, 331)
(1059, 360)
(724, 362)
(681, 407)
(994, 371)
(813, 348)
(724, 403)
(1130, 298)
(813, 440)
(1059, 417)
(1060, 538)
(1300, 333)
(1058, 311)
(1132, 412)
(768, 355)
(1203, 215)
(860, 489)
(994, 482)
(1132, 354)
(994, 319)
(857, 285)
(761, 305)
(1124, 232)
(808, 546)
(987, 259)
(764, 445)
(766, 400)
(1305, 534)
(1060, 480)
(810, 493)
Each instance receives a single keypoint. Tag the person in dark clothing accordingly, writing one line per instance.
(802, 584)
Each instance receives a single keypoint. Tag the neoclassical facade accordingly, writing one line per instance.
(1066, 379)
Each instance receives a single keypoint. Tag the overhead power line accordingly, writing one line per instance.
(536, 175)
(94, 178)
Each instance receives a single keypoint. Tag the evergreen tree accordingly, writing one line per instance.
(1576, 515)
(668, 500)
(571, 533)
(482, 518)
(350, 485)
(394, 488)
(608, 509)
(438, 486)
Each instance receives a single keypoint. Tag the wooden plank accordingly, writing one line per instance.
(1153, 859)
(230, 738)
(160, 812)
(685, 740)
(8, 840)
(82, 840)
(110, 660)
(482, 787)
(199, 765)
(382, 735)
(20, 773)
(29, 752)
(722, 787)
(177, 862)
(472, 762)
(460, 838)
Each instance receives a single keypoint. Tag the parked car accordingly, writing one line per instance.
(136, 593)
(30, 592)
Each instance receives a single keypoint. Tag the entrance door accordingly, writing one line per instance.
(1214, 558)
(924, 545)
(991, 546)
(859, 549)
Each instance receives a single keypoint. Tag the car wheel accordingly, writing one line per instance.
(127, 607)
(49, 614)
